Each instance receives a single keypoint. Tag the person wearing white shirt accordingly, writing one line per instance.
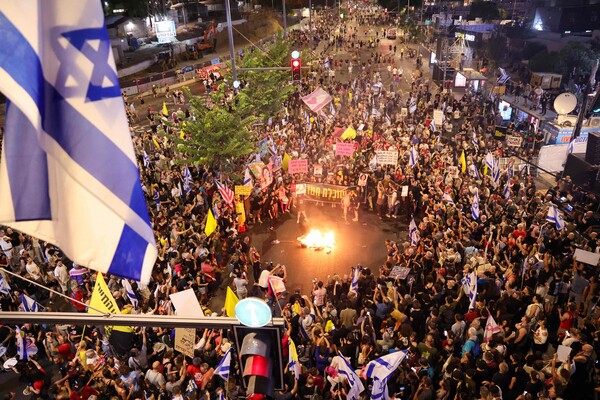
(33, 270)
(62, 276)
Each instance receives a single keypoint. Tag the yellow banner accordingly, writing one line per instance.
(243, 190)
(103, 300)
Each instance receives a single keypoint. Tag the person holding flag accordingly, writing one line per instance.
(413, 232)
(380, 370)
(475, 206)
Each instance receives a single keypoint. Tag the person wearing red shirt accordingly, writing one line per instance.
(78, 295)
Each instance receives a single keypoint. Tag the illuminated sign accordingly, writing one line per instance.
(165, 31)
(467, 36)
(505, 110)
(460, 80)
(433, 58)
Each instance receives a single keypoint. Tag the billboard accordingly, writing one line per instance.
(165, 31)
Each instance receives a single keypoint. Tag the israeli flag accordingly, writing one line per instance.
(354, 283)
(380, 370)
(475, 205)
(272, 146)
(472, 170)
(413, 157)
(503, 78)
(224, 366)
(130, 293)
(446, 197)
(554, 216)
(413, 232)
(302, 145)
(28, 304)
(356, 385)
(432, 126)
(475, 141)
(571, 147)
(4, 286)
(21, 343)
(247, 177)
(146, 159)
(187, 180)
(469, 283)
(327, 63)
(69, 174)
(307, 119)
(412, 105)
(496, 173)
(507, 190)
(332, 108)
(510, 171)
(489, 160)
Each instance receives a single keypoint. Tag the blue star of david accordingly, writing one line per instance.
(80, 40)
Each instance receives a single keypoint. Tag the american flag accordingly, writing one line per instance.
(226, 194)
(313, 53)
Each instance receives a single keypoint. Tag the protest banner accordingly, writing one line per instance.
(344, 149)
(185, 340)
(386, 157)
(324, 192)
(243, 190)
(298, 166)
(514, 141)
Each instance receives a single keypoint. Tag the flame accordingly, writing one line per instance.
(315, 240)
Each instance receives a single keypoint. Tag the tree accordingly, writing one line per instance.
(544, 61)
(486, 10)
(577, 58)
(222, 132)
(265, 91)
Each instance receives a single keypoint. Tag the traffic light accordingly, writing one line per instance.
(296, 70)
(261, 360)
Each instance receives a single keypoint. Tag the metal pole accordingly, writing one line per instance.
(230, 33)
(588, 90)
(310, 18)
(166, 321)
(284, 20)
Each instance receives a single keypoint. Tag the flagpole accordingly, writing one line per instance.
(55, 292)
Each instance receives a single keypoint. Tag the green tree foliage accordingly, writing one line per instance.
(222, 131)
(265, 91)
(532, 48)
(486, 10)
(577, 57)
(544, 61)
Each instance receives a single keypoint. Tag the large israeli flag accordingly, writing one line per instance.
(470, 288)
(346, 370)
(69, 174)
(355, 276)
(413, 157)
(223, 369)
(413, 232)
(554, 216)
(475, 205)
(380, 370)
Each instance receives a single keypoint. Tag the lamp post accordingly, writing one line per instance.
(230, 33)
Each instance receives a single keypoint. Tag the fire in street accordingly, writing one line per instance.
(317, 240)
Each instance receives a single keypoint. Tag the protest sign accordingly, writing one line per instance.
(298, 166)
(344, 149)
(243, 190)
(385, 157)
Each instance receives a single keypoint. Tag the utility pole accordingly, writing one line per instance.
(309, 18)
(230, 33)
(583, 110)
(284, 21)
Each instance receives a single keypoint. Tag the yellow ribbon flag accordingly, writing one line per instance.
(211, 223)
(349, 133)
(164, 110)
(463, 162)
(241, 212)
(155, 143)
(181, 134)
(285, 161)
(103, 300)
(485, 168)
(230, 301)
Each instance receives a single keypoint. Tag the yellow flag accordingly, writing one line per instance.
(181, 134)
(241, 212)
(211, 224)
(349, 133)
(463, 162)
(485, 169)
(155, 143)
(285, 161)
(230, 301)
(103, 300)
(164, 110)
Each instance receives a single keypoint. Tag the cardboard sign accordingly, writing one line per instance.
(243, 190)
(404, 191)
(399, 272)
(185, 340)
(298, 166)
(438, 117)
(404, 112)
(514, 141)
(318, 170)
(587, 257)
(344, 149)
(386, 157)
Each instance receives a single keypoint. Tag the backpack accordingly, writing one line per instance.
(476, 349)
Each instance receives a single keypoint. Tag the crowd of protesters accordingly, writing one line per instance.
(528, 279)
